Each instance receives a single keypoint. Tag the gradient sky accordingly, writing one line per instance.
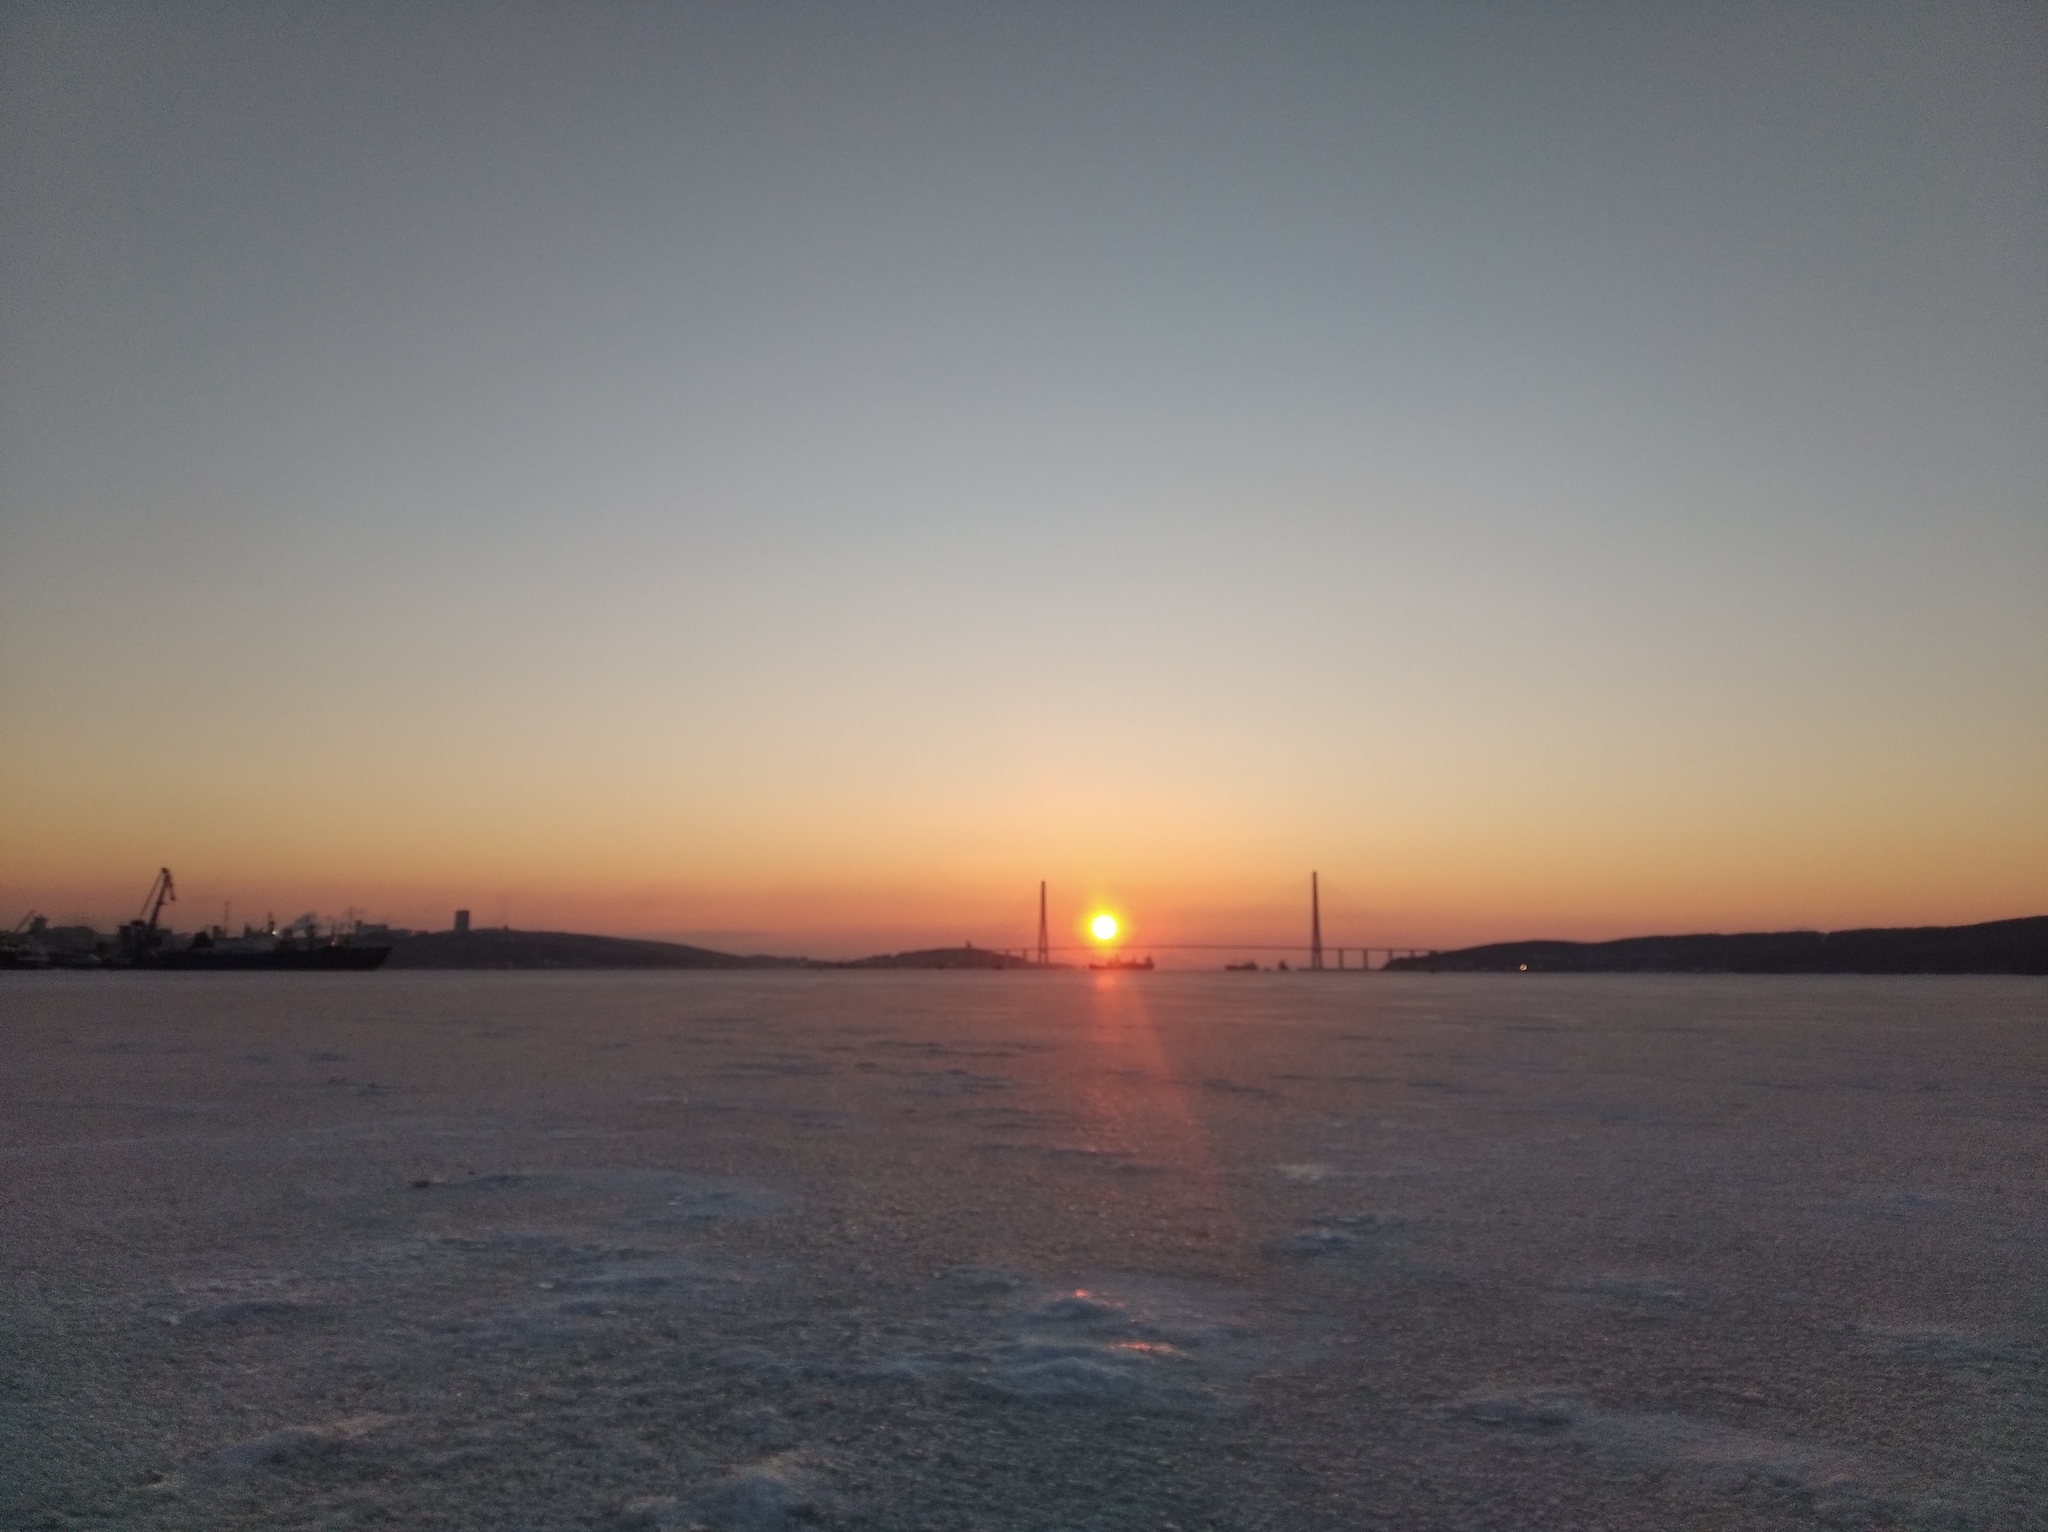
(796, 475)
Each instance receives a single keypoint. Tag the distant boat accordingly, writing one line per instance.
(1121, 963)
(1245, 967)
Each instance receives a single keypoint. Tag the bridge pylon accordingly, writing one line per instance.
(1315, 924)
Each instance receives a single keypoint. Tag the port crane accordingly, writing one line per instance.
(162, 892)
(139, 935)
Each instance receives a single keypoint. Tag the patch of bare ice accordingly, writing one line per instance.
(579, 1304)
(1113, 1161)
(293, 1443)
(244, 1311)
(1637, 1290)
(956, 1082)
(765, 1497)
(1940, 1343)
(657, 1196)
(981, 1282)
(1340, 1234)
(1306, 1175)
(1834, 1483)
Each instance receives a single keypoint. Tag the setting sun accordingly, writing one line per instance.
(1104, 927)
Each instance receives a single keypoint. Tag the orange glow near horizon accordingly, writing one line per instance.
(1402, 886)
(820, 830)
(832, 864)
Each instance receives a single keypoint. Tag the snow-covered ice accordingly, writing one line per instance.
(1021, 1250)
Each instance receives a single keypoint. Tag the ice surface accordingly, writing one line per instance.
(1021, 1251)
(1341, 1234)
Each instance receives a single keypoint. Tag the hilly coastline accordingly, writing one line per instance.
(967, 956)
(506, 948)
(1995, 947)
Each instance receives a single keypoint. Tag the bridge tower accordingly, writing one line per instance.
(1044, 939)
(1315, 923)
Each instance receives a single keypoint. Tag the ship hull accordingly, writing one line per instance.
(320, 959)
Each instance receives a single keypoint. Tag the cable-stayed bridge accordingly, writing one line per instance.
(1315, 950)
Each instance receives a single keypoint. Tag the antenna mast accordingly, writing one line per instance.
(1044, 940)
(1315, 923)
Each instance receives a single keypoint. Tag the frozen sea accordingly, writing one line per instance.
(1022, 1250)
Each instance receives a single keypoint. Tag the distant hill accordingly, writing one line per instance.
(569, 949)
(969, 956)
(562, 949)
(1998, 946)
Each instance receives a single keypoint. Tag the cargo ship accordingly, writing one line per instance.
(265, 952)
(299, 947)
(1122, 964)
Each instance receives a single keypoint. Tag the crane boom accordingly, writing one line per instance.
(161, 892)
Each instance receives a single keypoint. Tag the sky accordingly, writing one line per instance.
(796, 475)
